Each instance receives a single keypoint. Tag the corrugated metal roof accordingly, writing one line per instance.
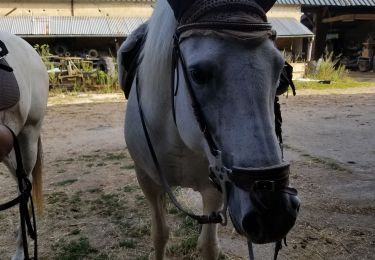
(289, 27)
(70, 26)
(55, 26)
(328, 2)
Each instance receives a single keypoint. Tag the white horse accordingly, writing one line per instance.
(24, 117)
(220, 115)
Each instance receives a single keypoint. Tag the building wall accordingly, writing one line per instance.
(107, 8)
(293, 11)
(80, 8)
(292, 48)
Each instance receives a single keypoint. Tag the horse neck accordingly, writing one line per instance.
(155, 69)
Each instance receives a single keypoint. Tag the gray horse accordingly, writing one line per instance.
(205, 112)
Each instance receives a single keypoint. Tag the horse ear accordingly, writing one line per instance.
(180, 6)
(265, 4)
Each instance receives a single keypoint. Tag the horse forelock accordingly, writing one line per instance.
(157, 52)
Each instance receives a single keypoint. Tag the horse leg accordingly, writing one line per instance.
(156, 198)
(208, 242)
(30, 145)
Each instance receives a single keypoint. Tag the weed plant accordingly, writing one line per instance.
(328, 68)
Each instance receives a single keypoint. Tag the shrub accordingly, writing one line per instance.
(328, 68)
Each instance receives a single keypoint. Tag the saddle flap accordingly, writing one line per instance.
(9, 90)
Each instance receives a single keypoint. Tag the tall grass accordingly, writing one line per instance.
(328, 68)
(44, 53)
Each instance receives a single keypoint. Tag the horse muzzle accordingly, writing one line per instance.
(261, 205)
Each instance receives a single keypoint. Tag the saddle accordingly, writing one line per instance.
(129, 57)
(9, 90)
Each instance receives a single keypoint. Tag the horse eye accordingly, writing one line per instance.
(200, 76)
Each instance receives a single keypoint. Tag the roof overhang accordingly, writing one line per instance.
(70, 26)
(84, 26)
(337, 3)
(289, 28)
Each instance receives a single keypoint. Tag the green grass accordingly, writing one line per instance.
(130, 188)
(334, 85)
(115, 156)
(75, 232)
(57, 198)
(128, 167)
(66, 182)
(327, 162)
(186, 235)
(128, 243)
(114, 207)
(66, 161)
(75, 249)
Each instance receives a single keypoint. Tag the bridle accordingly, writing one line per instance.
(274, 178)
(28, 226)
(271, 179)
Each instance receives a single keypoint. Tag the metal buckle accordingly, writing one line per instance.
(265, 185)
(219, 177)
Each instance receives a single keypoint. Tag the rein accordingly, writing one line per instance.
(24, 187)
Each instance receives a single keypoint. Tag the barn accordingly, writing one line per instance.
(98, 24)
(97, 27)
(344, 27)
(71, 26)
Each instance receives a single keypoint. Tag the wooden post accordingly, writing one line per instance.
(310, 48)
(320, 31)
(72, 7)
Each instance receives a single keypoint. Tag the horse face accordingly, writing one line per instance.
(235, 86)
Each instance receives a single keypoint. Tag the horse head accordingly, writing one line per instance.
(227, 70)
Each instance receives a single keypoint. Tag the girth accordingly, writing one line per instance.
(9, 91)
(28, 222)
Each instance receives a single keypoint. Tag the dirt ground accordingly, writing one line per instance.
(95, 210)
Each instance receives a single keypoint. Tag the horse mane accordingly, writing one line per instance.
(157, 51)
